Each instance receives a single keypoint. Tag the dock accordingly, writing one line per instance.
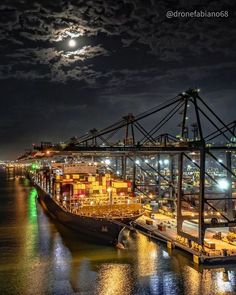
(164, 229)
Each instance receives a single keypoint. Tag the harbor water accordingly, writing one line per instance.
(40, 256)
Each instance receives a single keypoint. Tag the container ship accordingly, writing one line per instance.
(96, 205)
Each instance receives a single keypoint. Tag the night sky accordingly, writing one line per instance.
(128, 57)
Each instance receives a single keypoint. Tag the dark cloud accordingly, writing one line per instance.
(129, 56)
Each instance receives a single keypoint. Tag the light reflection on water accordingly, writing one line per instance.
(39, 256)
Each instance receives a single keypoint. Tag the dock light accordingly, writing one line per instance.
(166, 161)
(146, 161)
(107, 162)
(137, 162)
(33, 166)
(72, 43)
(220, 160)
(160, 162)
(223, 184)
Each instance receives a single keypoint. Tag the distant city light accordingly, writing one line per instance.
(166, 161)
(107, 161)
(223, 184)
(72, 43)
(161, 162)
(146, 161)
(137, 162)
(220, 160)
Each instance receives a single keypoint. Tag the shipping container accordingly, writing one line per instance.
(149, 222)
(119, 184)
(161, 227)
(209, 244)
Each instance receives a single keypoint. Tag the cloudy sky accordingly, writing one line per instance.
(128, 57)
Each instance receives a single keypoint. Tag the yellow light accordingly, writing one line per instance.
(48, 152)
(109, 189)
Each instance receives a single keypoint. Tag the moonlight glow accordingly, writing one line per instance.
(72, 43)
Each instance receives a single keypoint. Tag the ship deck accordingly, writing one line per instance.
(111, 211)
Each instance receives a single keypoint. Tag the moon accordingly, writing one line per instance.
(72, 43)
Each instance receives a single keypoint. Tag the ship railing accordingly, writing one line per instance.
(111, 215)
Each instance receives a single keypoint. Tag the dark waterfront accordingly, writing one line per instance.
(39, 256)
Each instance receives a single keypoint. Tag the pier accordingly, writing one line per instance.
(164, 229)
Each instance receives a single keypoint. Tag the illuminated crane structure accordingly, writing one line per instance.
(204, 148)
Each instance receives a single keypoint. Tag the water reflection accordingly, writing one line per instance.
(147, 256)
(40, 256)
(114, 279)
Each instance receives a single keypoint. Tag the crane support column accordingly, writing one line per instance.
(180, 194)
(229, 192)
(201, 227)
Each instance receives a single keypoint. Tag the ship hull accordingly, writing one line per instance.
(97, 230)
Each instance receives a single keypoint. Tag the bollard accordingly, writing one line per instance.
(196, 259)
(169, 245)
